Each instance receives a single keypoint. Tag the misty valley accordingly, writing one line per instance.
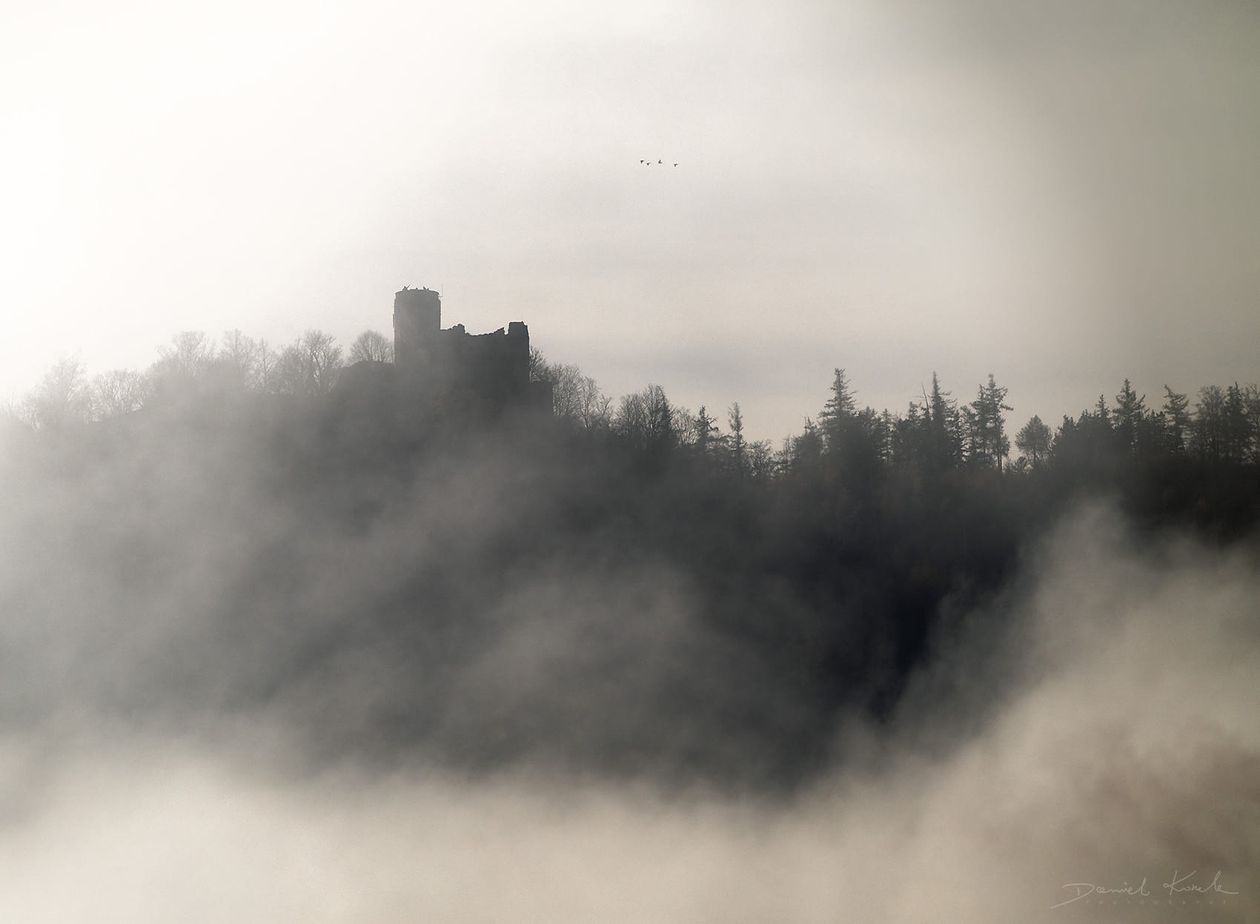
(671, 462)
(443, 585)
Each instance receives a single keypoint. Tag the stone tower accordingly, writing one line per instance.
(417, 322)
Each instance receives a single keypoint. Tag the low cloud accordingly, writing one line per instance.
(1122, 748)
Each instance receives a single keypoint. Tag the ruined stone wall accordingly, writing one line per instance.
(493, 366)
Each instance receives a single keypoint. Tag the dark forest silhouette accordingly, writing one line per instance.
(402, 540)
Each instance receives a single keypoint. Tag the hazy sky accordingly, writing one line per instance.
(1059, 193)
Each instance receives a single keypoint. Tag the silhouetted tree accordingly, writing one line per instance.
(1129, 418)
(372, 346)
(735, 441)
(266, 371)
(574, 396)
(837, 413)
(594, 407)
(538, 365)
(117, 393)
(804, 452)
(645, 421)
(885, 437)
(1033, 440)
(942, 443)
(309, 365)
(986, 426)
(62, 398)
(706, 433)
(242, 362)
(1208, 437)
(1251, 408)
(1236, 427)
(909, 438)
(566, 388)
(183, 363)
(762, 464)
(1176, 421)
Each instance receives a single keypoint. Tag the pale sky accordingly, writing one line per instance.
(1063, 194)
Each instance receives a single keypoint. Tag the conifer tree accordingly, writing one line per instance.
(1176, 421)
(987, 427)
(738, 447)
(1128, 417)
(706, 432)
(943, 429)
(838, 412)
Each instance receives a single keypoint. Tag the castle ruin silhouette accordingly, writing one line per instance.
(488, 373)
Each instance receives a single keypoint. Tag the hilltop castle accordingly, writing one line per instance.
(477, 373)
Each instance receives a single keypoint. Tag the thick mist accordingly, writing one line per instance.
(260, 664)
(1124, 747)
(179, 572)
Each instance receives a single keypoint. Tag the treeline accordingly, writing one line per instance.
(885, 530)
(706, 604)
(194, 362)
(933, 435)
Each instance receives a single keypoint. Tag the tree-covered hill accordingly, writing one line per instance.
(625, 587)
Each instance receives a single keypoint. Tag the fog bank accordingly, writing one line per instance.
(1124, 746)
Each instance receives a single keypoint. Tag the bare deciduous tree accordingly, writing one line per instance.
(242, 361)
(573, 395)
(62, 397)
(372, 346)
(117, 392)
(187, 356)
(646, 420)
(309, 365)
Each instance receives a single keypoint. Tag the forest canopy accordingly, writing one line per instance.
(735, 600)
